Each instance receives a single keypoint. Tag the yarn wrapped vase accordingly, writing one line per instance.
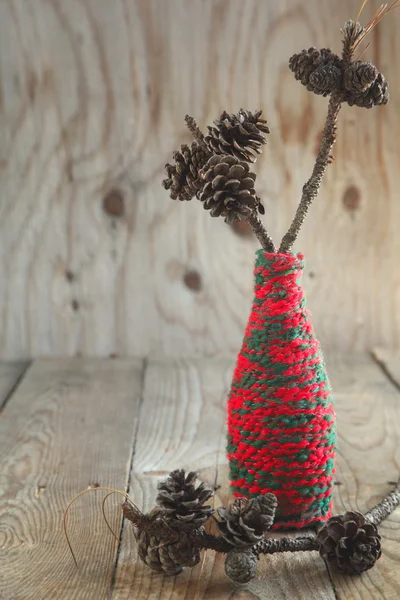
(281, 421)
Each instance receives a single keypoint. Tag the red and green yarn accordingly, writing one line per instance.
(281, 422)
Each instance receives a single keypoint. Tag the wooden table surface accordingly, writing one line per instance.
(70, 424)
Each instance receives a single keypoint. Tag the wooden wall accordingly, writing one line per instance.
(94, 256)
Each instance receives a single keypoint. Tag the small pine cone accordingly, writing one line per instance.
(183, 180)
(244, 522)
(359, 76)
(350, 543)
(351, 31)
(325, 80)
(241, 565)
(229, 188)
(183, 504)
(306, 62)
(240, 135)
(375, 95)
(168, 557)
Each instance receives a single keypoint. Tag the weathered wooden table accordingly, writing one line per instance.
(67, 425)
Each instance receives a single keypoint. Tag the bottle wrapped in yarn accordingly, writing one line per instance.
(281, 421)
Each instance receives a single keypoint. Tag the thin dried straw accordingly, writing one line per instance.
(382, 11)
(105, 516)
(361, 9)
(365, 49)
(105, 489)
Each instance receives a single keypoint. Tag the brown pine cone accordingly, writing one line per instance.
(241, 565)
(183, 176)
(168, 557)
(325, 80)
(306, 62)
(359, 76)
(350, 543)
(375, 95)
(183, 505)
(229, 188)
(351, 32)
(244, 522)
(240, 135)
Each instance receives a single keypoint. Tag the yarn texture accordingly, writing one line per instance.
(281, 421)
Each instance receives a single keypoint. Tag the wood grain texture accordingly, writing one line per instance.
(92, 99)
(368, 417)
(69, 426)
(183, 426)
(10, 375)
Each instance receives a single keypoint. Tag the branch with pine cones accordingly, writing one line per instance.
(215, 168)
(172, 534)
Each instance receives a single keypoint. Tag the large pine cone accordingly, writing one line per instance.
(163, 556)
(183, 505)
(307, 62)
(229, 188)
(350, 543)
(240, 135)
(183, 176)
(244, 522)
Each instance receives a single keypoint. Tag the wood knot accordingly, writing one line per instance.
(192, 280)
(69, 276)
(352, 198)
(113, 204)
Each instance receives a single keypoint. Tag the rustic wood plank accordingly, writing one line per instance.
(368, 414)
(10, 375)
(183, 425)
(92, 99)
(70, 425)
(389, 361)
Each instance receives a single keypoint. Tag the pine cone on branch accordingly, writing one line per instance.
(240, 135)
(166, 557)
(375, 95)
(160, 547)
(359, 76)
(350, 543)
(241, 565)
(307, 62)
(229, 188)
(183, 505)
(183, 176)
(325, 80)
(244, 522)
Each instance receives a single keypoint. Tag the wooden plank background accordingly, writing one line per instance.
(95, 258)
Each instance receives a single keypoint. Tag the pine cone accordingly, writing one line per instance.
(325, 80)
(183, 176)
(229, 188)
(359, 76)
(182, 503)
(306, 62)
(163, 556)
(376, 94)
(161, 547)
(350, 543)
(244, 522)
(241, 565)
(240, 135)
(351, 31)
